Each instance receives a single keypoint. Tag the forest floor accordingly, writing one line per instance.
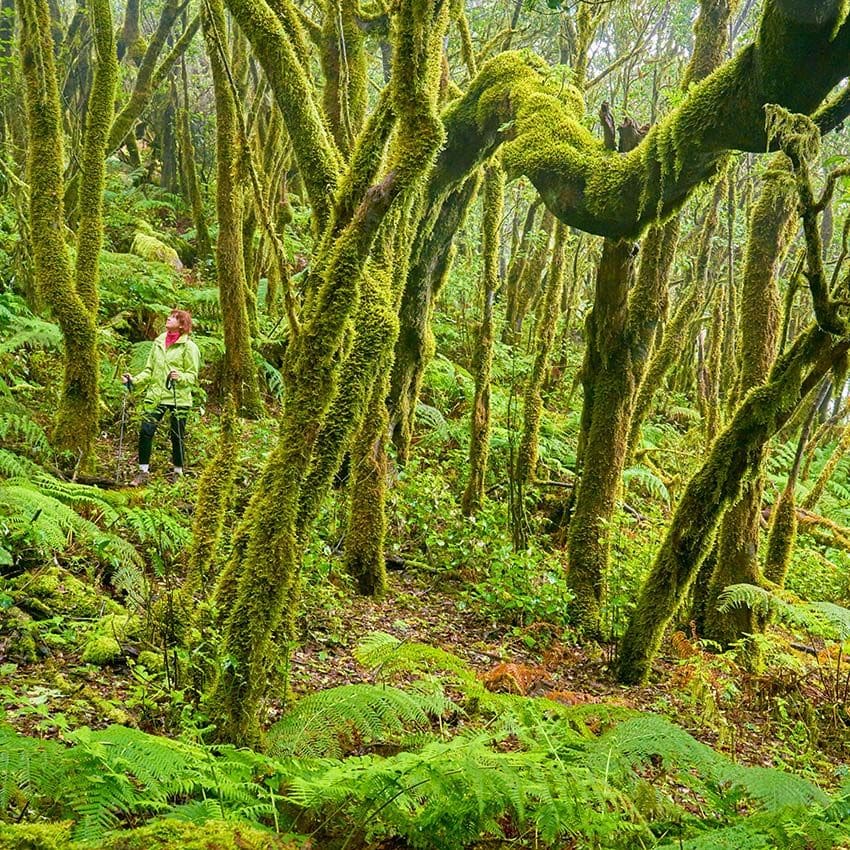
(748, 716)
(756, 719)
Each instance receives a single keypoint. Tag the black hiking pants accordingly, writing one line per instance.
(151, 420)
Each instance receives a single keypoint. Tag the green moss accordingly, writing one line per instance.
(104, 644)
(53, 591)
(20, 630)
(181, 835)
(32, 836)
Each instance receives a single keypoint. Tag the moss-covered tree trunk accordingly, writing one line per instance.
(193, 186)
(608, 378)
(528, 282)
(738, 540)
(149, 76)
(72, 296)
(259, 589)
(678, 334)
(550, 306)
(519, 259)
(240, 371)
(479, 441)
(343, 59)
(367, 527)
(431, 261)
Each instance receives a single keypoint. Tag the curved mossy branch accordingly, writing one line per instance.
(550, 305)
(515, 102)
(713, 487)
(147, 79)
(318, 158)
(98, 122)
(482, 361)
(77, 418)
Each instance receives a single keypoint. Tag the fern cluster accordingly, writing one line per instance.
(538, 773)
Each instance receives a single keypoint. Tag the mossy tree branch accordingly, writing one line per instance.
(144, 86)
(716, 485)
(270, 33)
(515, 102)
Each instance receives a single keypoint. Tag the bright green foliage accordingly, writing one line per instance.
(559, 773)
(820, 619)
(336, 722)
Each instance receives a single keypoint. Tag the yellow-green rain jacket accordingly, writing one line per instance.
(182, 356)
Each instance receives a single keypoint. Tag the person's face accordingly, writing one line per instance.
(172, 323)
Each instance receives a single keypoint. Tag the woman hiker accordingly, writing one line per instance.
(170, 373)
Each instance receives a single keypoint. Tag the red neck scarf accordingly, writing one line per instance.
(171, 337)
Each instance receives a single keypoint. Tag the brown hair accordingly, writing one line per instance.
(184, 317)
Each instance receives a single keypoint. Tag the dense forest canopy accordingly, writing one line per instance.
(503, 354)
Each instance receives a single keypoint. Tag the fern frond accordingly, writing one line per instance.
(649, 481)
(332, 722)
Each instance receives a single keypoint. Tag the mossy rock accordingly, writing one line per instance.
(55, 591)
(105, 643)
(151, 661)
(19, 636)
(180, 835)
(35, 836)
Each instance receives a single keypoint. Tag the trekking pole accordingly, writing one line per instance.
(128, 386)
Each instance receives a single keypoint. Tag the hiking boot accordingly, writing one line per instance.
(174, 476)
(140, 480)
